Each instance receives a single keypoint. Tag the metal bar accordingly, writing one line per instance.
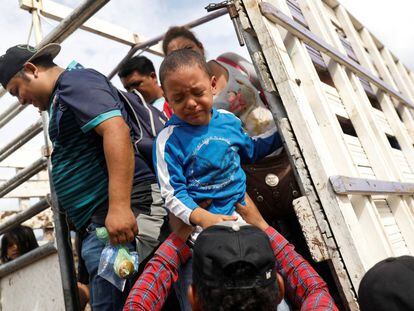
(27, 259)
(22, 176)
(73, 21)
(20, 140)
(10, 113)
(63, 242)
(28, 213)
(276, 16)
(57, 12)
(65, 28)
(157, 39)
(363, 186)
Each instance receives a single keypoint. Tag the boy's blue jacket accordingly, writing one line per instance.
(195, 163)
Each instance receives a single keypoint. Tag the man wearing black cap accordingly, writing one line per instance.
(235, 267)
(93, 158)
(388, 286)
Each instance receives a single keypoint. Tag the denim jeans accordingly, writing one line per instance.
(104, 296)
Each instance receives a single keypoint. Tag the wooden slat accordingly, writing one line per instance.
(391, 228)
(383, 70)
(393, 125)
(400, 81)
(334, 100)
(330, 13)
(309, 135)
(403, 164)
(357, 151)
(411, 74)
(398, 128)
(311, 39)
(405, 77)
(352, 185)
(366, 171)
(382, 122)
(375, 142)
(56, 11)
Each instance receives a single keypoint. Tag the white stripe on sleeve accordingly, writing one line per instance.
(173, 204)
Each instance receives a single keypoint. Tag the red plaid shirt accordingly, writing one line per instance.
(304, 287)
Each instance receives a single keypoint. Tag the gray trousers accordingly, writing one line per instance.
(146, 201)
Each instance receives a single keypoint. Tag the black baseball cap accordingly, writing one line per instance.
(389, 285)
(14, 59)
(228, 243)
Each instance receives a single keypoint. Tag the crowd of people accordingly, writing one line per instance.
(168, 169)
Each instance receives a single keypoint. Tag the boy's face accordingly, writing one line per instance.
(189, 91)
(31, 88)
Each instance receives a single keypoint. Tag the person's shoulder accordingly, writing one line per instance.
(224, 115)
(81, 77)
(166, 134)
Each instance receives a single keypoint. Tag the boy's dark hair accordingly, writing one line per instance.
(179, 59)
(22, 236)
(176, 32)
(137, 63)
(247, 299)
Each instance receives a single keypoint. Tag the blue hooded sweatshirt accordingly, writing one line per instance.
(195, 163)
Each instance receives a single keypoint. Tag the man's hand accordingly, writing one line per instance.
(251, 214)
(121, 225)
(181, 229)
(119, 155)
(205, 219)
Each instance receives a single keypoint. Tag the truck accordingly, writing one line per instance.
(343, 103)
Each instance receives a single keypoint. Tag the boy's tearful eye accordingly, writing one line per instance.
(199, 93)
(176, 95)
(178, 99)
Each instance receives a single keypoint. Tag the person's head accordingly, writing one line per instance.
(188, 86)
(234, 269)
(17, 242)
(138, 73)
(388, 286)
(178, 38)
(25, 73)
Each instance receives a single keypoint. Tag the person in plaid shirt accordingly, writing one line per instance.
(303, 286)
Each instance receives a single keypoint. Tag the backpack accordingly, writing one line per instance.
(146, 122)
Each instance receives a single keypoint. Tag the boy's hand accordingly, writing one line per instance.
(181, 229)
(251, 214)
(205, 219)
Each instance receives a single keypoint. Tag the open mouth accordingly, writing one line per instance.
(195, 115)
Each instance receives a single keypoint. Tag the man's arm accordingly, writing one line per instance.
(304, 287)
(153, 286)
(258, 147)
(120, 221)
